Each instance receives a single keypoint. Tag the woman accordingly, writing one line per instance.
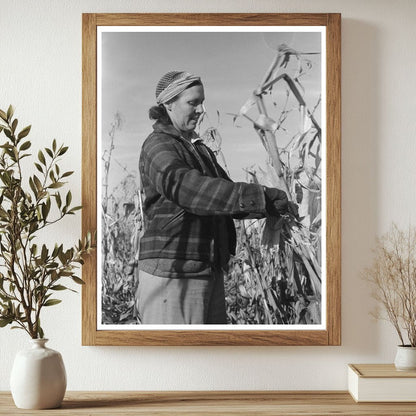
(188, 209)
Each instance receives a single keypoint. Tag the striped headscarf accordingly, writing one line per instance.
(172, 84)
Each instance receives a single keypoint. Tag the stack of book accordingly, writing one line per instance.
(381, 383)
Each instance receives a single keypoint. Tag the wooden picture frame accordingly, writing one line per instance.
(331, 333)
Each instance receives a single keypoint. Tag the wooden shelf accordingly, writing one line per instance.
(178, 403)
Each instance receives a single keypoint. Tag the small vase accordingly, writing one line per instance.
(405, 358)
(38, 377)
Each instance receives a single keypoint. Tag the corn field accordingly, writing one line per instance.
(275, 276)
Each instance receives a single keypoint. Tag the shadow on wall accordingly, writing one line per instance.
(361, 55)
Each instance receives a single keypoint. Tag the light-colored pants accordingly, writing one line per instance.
(162, 300)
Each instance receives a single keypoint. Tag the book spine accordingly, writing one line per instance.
(353, 381)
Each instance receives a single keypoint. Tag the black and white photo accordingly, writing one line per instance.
(236, 137)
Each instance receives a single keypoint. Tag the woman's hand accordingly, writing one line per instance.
(276, 202)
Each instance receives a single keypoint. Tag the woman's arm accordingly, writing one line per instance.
(166, 169)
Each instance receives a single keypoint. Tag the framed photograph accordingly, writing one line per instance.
(211, 172)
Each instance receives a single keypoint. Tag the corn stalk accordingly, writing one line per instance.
(283, 256)
(120, 227)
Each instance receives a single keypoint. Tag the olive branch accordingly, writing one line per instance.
(31, 273)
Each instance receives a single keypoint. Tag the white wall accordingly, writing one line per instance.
(40, 73)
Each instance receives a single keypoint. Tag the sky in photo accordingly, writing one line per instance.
(231, 65)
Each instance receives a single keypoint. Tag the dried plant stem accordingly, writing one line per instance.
(393, 276)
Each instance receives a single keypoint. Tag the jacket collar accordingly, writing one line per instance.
(159, 127)
(169, 129)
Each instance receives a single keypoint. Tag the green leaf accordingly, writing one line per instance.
(10, 112)
(68, 199)
(3, 116)
(25, 145)
(56, 185)
(25, 155)
(8, 133)
(33, 227)
(58, 199)
(24, 133)
(49, 152)
(72, 210)
(63, 150)
(6, 145)
(41, 157)
(5, 321)
(45, 211)
(62, 257)
(14, 125)
(54, 145)
(39, 167)
(51, 302)
(59, 287)
(37, 182)
(76, 279)
(33, 187)
(67, 174)
(40, 332)
(44, 253)
(55, 251)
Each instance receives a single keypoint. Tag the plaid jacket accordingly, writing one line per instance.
(185, 190)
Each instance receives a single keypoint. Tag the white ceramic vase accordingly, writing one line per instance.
(405, 358)
(38, 377)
